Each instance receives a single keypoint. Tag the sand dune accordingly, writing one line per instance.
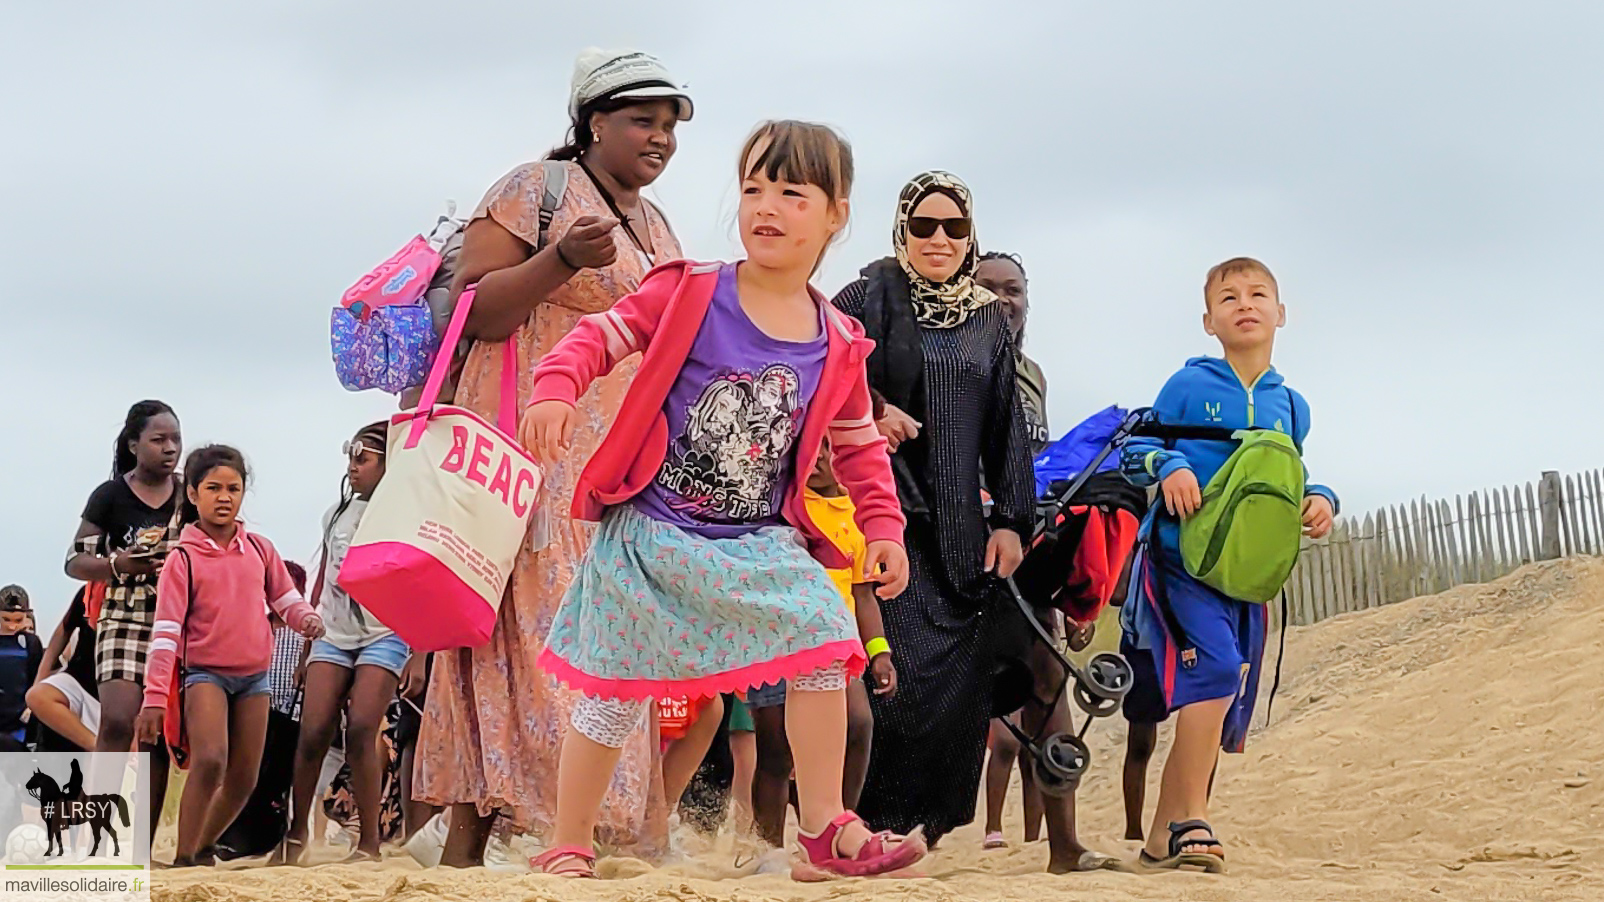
(1443, 748)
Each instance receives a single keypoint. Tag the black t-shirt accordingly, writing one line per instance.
(121, 516)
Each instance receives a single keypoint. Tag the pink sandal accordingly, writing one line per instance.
(884, 855)
(575, 862)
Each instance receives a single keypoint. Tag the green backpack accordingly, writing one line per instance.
(1244, 540)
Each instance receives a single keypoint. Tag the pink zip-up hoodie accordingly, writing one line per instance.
(211, 609)
(661, 320)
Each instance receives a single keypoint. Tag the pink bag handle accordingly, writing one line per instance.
(507, 417)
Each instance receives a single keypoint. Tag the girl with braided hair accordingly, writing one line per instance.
(355, 669)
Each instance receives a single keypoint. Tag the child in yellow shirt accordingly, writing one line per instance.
(832, 512)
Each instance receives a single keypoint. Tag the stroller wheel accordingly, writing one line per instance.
(1109, 676)
(1059, 763)
(1094, 705)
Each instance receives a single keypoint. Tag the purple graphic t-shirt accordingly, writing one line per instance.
(733, 417)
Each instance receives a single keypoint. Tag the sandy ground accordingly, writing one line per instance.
(1443, 748)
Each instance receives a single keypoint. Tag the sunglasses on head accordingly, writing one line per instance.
(957, 228)
(355, 450)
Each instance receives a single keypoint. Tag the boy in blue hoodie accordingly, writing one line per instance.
(1210, 671)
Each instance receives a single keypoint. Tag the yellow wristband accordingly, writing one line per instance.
(876, 647)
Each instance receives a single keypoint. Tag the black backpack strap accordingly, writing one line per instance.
(1161, 599)
(554, 185)
(1171, 434)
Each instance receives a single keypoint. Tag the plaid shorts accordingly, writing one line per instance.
(122, 644)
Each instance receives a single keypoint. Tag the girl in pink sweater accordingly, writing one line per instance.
(211, 616)
(699, 580)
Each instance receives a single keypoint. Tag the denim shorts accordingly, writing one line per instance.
(232, 686)
(768, 696)
(390, 653)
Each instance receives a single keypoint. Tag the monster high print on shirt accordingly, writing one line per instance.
(734, 414)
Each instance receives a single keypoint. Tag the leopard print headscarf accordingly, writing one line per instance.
(947, 304)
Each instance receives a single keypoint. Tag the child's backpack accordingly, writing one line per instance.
(388, 326)
(1244, 540)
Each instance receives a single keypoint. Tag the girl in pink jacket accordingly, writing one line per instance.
(706, 574)
(211, 617)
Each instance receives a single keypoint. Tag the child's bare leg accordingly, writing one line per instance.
(771, 787)
(743, 754)
(816, 723)
(1184, 790)
(1035, 803)
(1064, 847)
(685, 755)
(1139, 742)
(247, 731)
(860, 740)
(372, 690)
(467, 833)
(999, 770)
(590, 753)
(206, 714)
(120, 701)
(326, 687)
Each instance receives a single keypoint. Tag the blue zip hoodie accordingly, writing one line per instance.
(1207, 392)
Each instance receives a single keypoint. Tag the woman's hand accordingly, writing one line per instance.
(148, 726)
(885, 675)
(413, 677)
(886, 564)
(547, 429)
(588, 244)
(1004, 552)
(897, 426)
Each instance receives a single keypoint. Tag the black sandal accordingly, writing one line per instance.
(1208, 862)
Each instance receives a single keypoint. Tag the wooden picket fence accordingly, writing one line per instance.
(1427, 546)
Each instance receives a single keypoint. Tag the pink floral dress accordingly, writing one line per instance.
(494, 721)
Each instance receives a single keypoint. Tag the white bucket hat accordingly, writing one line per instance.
(628, 74)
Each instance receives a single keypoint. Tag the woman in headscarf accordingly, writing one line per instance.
(944, 363)
(494, 721)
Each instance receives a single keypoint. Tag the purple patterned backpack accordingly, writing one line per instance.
(386, 331)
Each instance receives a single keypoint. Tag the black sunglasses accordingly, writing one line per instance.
(957, 228)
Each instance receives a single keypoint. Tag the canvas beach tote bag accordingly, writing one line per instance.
(435, 548)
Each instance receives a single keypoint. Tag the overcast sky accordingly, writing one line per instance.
(188, 188)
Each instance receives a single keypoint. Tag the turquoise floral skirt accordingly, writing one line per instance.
(658, 612)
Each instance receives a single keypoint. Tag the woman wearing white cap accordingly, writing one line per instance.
(494, 721)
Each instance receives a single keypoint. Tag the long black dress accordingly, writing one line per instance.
(930, 740)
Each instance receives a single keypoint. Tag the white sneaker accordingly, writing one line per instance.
(774, 861)
(428, 845)
(500, 857)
